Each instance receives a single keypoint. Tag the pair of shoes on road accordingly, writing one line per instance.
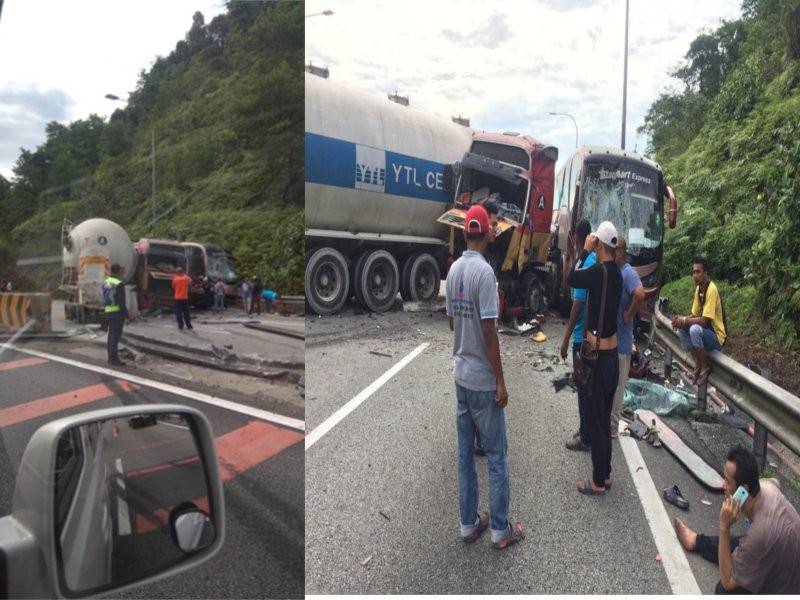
(516, 533)
(576, 444)
(673, 496)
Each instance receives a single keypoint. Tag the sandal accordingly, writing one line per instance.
(516, 534)
(585, 487)
(483, 524)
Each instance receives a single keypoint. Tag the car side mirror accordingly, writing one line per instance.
(112, 499)
(673, 208)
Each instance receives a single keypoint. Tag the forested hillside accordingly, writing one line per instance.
(226, 111)
(729, 142)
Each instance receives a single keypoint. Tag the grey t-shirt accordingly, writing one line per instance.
(471, 296)
(767, 560)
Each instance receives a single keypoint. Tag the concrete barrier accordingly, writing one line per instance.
(18, 309)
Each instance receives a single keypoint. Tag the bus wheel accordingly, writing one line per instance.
(424, 278)
(378, 280)
(327, 281)
(536, 297)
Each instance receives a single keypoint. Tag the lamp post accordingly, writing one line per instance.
(152, 159)
(625, 77)
(557, 114)
(326, 13)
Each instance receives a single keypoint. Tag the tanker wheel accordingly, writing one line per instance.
(378, 280)
(405, 279)
(327, 281)
(355, 277)
(424, 278)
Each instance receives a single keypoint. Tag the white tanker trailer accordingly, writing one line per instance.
(88, 251)
(374, 188)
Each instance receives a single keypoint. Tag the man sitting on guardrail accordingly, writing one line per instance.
(705, 329)
(765, 559)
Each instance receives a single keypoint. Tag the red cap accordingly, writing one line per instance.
(476, 220)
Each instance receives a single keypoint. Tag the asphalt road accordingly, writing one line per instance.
(262, 468)
(381, 485)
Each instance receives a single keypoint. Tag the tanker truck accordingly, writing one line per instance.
(386, 191)
(88, 251)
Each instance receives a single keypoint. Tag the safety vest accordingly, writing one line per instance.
(109, 294)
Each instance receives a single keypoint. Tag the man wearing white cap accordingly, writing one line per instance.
(601, 333)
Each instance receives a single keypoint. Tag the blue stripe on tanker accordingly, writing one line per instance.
(339, 163)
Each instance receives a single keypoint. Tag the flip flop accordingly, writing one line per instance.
(516, 534)
(483, 524)
(585, 487)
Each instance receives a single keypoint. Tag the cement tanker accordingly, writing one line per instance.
(375, 187)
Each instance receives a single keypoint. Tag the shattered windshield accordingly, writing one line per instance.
(220, 265)
(627, 195)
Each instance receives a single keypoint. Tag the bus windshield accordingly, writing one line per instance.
(626, 194)
(220, 265)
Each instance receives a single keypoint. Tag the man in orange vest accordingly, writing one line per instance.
(180, 293)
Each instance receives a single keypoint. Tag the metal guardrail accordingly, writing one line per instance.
(774, 410)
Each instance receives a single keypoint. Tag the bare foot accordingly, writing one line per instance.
(687, 537)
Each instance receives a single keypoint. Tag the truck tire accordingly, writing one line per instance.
(327, 281)
(424, 278)
(378, 280)
(536, 297)
(355, 277)
(405, 278)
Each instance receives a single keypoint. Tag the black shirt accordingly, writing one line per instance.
(592, 279)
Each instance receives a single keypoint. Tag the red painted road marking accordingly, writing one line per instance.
(23, 362)
(237, 450)
(59, 402)
(247, 446)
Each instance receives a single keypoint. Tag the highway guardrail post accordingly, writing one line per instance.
(667, 362)
(702, 391)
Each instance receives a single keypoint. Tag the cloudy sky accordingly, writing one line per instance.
(507, 65)
(60, 58)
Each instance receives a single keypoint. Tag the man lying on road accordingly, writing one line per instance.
(766, 559)
(472, 307)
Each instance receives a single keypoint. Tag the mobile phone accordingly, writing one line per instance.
(740, 496)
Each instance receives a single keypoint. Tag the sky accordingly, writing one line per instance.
(507, 65)
(60, 58)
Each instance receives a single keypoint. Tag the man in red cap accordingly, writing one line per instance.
(480, 386)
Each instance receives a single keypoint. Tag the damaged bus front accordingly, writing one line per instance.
(517, 174)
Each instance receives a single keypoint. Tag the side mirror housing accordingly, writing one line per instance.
(673, 208)
(112, 499)
(451, 173)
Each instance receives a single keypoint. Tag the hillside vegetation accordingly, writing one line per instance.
(729, 143)
(226, 111)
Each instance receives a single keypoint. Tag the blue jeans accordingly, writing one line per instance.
(698, 337)
(478, 410)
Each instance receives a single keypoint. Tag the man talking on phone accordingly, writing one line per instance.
(765, 559)
(472, 308)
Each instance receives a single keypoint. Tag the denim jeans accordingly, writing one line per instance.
(696, 336)
(219, 302)
(478, 410)
(182, 314)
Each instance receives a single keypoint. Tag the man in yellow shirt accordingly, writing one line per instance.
(704, 330)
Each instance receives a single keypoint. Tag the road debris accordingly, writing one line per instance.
(658, 558)
(376, 353)
(559, 383)
(384, 515)
(705, 501)
(365, 562)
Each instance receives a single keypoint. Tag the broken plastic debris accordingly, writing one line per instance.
(705, 501)
(539, 337)
(658, 558)
(366, 560)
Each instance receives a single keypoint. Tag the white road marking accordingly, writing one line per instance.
(123, 515)
(679, 573)
(264, 415)
(329, 423)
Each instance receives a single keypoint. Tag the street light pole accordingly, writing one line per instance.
(625, 77)
(557, 114)
(326, 13)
